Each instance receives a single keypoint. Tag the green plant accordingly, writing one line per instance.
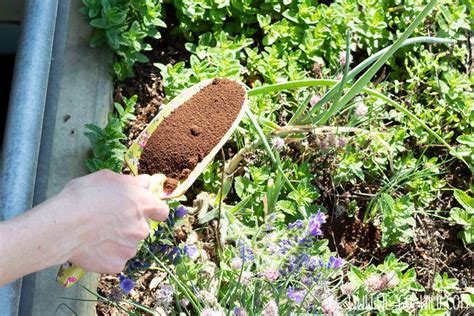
(107, 148)
(464, 216)
(124, 26)
(107, 145)
(397, 220)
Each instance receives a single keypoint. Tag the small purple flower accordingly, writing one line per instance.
(296, 296)
(298, 224)
(163, 248)
(315, 222)
(184, 302)
(127, 285)
(239, 311)
(272, 217)
(335, 263)
(190, 251)
(342, 142)
(245, 252)
(180, 212)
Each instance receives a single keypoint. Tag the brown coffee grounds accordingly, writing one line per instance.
(169, 185)
(187, 135)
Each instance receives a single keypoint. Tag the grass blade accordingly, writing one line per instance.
(364, 80)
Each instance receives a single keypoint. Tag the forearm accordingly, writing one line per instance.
(38, 239)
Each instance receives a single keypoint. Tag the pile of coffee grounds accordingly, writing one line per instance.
(189, 134)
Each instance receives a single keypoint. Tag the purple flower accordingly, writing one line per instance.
(245, 252)
(184, 301)
(272, 217)
(181, 211)
(342, 142)
(315, 221)
(296, 296)
(190, 251)
(335, 263)
(163, 248)
(127, 285)
(298, 224)
(239, 311)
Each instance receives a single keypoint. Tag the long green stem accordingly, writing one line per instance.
(351, 75)
(364, 80)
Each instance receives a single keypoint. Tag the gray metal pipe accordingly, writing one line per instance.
(24, 122)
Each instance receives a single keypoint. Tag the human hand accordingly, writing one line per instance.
(110, 213)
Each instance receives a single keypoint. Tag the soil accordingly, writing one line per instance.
(189, 134)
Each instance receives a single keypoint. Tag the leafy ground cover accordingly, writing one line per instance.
(346, 189)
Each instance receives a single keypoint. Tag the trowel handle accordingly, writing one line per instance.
(69, 274)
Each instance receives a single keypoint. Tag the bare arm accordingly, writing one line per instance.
(96, 222)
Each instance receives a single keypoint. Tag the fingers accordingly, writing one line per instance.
(160, 214)
(142, 181)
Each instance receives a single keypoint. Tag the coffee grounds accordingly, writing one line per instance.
(189, 134)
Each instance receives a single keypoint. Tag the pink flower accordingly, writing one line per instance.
(143, 139)
(245, 278)
(342, 58)
(361, 109)
(278, 143)
(347, 288)
(271, 274)
(390, 279)
(211, 312)
(271, 309)
(314, 99)
(330, 306)
(236, 263)
(374, 282)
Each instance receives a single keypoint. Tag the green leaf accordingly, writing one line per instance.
(465, 200)
(289, 207)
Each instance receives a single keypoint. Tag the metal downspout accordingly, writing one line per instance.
(24, 122)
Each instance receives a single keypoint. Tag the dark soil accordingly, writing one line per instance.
(189, 134)
(435, 248)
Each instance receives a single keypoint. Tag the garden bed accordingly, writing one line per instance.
(401, 210)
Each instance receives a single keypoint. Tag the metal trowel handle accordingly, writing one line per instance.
(69, 274)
